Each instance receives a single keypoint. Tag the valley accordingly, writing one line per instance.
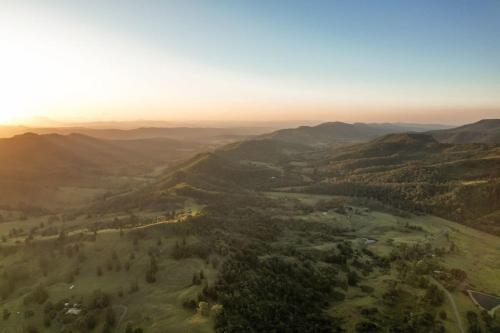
(212, 166)
(385, 235)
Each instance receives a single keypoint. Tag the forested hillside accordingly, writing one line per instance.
(408, 171)
(413, 172)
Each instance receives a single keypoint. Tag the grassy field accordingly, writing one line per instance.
(156, 307)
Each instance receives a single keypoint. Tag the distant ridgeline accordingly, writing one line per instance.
(410, 171)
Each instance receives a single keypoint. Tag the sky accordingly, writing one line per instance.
(415, 61)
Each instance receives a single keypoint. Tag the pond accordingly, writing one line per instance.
(487, 302)
(368, 241)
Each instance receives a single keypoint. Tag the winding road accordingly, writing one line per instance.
(453, 305)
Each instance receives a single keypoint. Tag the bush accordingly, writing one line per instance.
(30, 329)
(367, 327)
(366, 289)
(189, 304)
(28, 314)
(99, 300)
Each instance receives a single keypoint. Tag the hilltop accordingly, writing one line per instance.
(337, 133)
(483, 131)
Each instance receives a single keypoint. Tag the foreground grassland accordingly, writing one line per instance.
(112, 262)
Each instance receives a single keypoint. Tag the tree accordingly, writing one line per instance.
(151, 271)
(90, 320)
(134, 286)
(474, 326)
(110, 317)
(6, 314)
(196, 279)
(150, 276)
(352, 278)
(443, 315)
(366, 326)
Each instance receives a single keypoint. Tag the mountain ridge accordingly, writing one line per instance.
(482, 131)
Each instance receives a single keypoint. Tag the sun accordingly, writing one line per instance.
(6, 118)
(13, 113)
(15, 108)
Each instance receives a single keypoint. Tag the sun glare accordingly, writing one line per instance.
(5, 118)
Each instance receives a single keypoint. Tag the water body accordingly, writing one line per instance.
(487, 302)
(369, 241)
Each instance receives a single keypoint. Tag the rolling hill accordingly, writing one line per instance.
(483, 131)
(35, 166)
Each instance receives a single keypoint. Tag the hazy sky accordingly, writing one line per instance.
(425, 61)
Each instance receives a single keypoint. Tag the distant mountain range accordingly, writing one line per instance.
(336, 133)
(212, 133)
(35, 166)
(201, 135)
